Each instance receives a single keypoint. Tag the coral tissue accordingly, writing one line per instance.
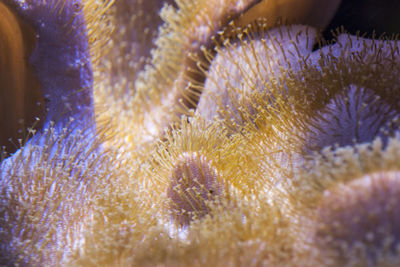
(199, 133)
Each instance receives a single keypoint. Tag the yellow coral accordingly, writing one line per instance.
(207, 142)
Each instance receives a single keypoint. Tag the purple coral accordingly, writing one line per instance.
(194, 182)
(361, 214)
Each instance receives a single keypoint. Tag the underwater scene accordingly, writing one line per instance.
(200, 133)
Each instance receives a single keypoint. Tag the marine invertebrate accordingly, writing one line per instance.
(361, 213)
(309, 12)
(232, 73)
(21, 97)
(193, 182)
(326, 199)
(253, 116)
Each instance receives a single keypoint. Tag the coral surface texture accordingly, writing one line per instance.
(200, 133)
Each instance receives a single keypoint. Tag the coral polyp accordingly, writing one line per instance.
(199, 133)
(194, 182)
(252, 65)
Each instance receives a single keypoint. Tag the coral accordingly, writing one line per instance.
(203, 132)
(22, 100)
(361, 212)
(309, 12)
(194, 182)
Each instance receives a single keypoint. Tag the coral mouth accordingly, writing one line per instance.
(357, 115)
(21, 99)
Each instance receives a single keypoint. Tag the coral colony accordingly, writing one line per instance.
(199, 133)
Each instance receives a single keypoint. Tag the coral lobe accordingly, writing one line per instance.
(202, 132)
